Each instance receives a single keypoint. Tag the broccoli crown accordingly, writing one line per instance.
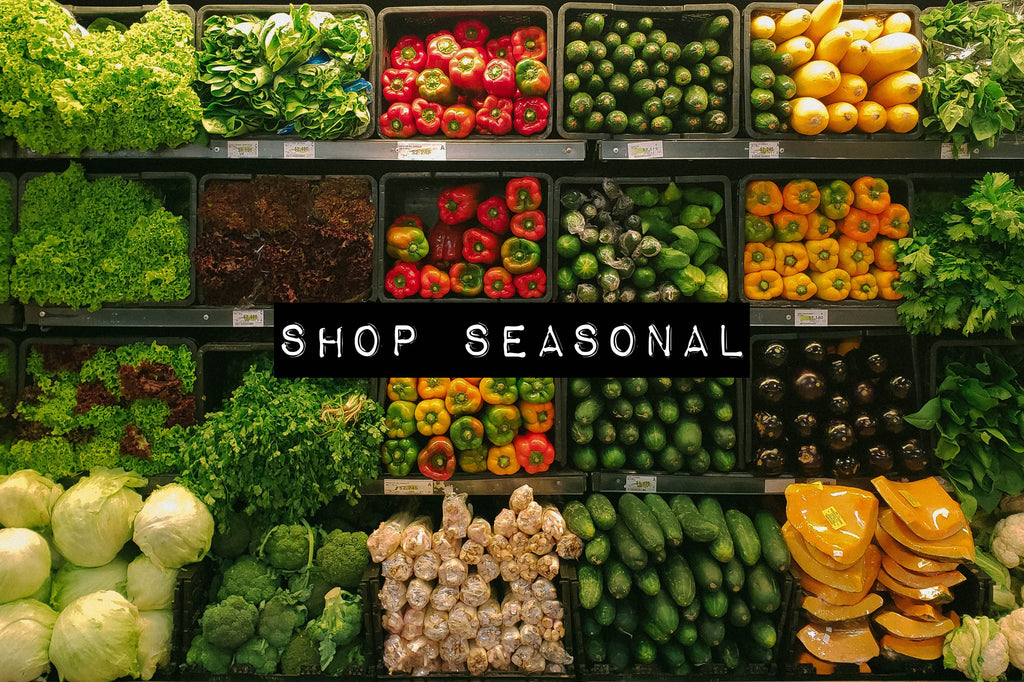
(341, 621)
(229, 623)
(343, 559)
(300, 656)
(313, 581)
(288, 547)
(259, 654)
(251, 580)
(213, 659)
(280, 617)
(351, 658)
(234, 541)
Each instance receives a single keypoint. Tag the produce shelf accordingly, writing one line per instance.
(716, 484)
(195, 316)
(570, 483)
(807, 315)
(621, 149)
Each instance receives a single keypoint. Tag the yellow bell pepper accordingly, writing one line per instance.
(822, 254)
(819, 226)
(462, 398)
(502, 460)
(432, 419)
(885, 253)
(855, 256)
(864, 287)
(432, 387)
(833, 285)
(790, 258)
(763, 285)
(757, 257)
(885, 280)
(798, 287)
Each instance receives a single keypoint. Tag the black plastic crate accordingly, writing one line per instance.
(965, 350)
(395, 22)
(417, 193)
(722, 224)
(901, 189)
(680, 22)
(849, 12)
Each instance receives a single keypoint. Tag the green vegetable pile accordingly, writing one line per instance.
(84, 243)
(297, 70)
(63, 89)
(281, 449)
(639, 244)
(89, 406)
(703, 608)
(6, 229)
(666, 424)
(964, 267)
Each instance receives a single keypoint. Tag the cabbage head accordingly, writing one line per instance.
(93, 520)
(154, 641)
(24, 563)
(72, 582)
(174, 527)
(96, 639)
(26, 499)
(25, 629)
(150, 587)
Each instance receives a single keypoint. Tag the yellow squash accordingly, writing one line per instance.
(842, 117)
(852, 89)
(857, 27)
(833, 46)
(891, 53)
(800, 48)
(824, 17)
(908, 628)
(902, 87)
(857, 57)
(852, 643)
(762, 27)
(876, 25)
(809, 116)
(816, 79)
(791, 24)
(897, 22)
(871, 116)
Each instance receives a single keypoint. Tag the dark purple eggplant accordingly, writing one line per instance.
(900, 387)
(913, 458)
(839, 435)
(892, 420)
(839, 405)
(771, 389)
(809, 461)
(863, 393)
(809, 385)
(836, 369)
(814, 352)
(775, 354)
(864, 425)
(845, 465)
(877, 364)
(805, 424)
(767, 425)
(768, 461)
(880, 460)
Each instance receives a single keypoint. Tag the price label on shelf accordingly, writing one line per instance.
(641, 484)
(403, 487)
(243, 149)
(946, 151)
(763, 150)
(421, 151)
(776, 486)
(246, 317)
(300, 150)
(814, 317)
(651, 149)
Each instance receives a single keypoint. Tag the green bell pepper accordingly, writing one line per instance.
(399, 456)
(400, 419)
(520, 256)
(467, 433)
(757, 228)
(499, 390)
(473, 461)
(501, 423)
(536, 389)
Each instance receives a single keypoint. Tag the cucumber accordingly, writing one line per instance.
(602, 511)
(672, 655)
(668, 410)
(634, 387)
(715, 27)
(763, 631)
(598, 550)
(655, 631)
(724, 436)
(678, 580)
(644, 650)
(653, 436)
(687, 435)
(762, 590)
(733, 575)
(588, 410)
(711, 630)
(617, 581)
(627, 548)
(618, 652)
(744, 536)
(699, 462)
(698, 654)
(667, 520)
(694, 526)
(604, 432)
(663, 612)
(739, 612)
(773, 547)
(641, 523)
(581, 434)
(591, 628)
(611, 389)
(670, 459)
(714, 390)
(604, 612)
(691, 612)
(591, 583)
(648, 581)
(715, 604)
(706, 571)
(757, 654)
(729, 653)
(580, 388)
(658, 557)
(578, 521)
(761, 49)
(722, 410)
(643, 410)
(723, 461)
(721, 547)
(622, 408)
(687, 633)
(641, 459)
(627, 616)
(595, 650)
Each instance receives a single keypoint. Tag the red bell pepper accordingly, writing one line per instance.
(531, 284)
(445, 242)
(530, 115)
(493, 214)
(407, 221)
(409, 53)
(500, 78)
(458, 121)
(529, 42)
(458, 204)
(529, 225)
(434, 283)
(471, 33)
(434, 85)
(479, 246)
(466, 69)
(534, 452)
(523, 194)
(397, 121)
(427, 116)
(467, 279)
(441, 47)
(437, 459)
(403, 280)
(498, 283)
(399, 85)
(500, 48)
(532, 77)
(495, 116)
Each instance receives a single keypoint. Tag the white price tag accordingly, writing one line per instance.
(774, 486)
(397, 486)
(641, 484)
(651, 149)
(300, 150)
(763, 150)
(246, 317)
(243, 149)
(421, 151)
(822, 481)
(813, 317)
(946, 151)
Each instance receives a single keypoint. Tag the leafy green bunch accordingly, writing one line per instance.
(6, 228)
(964, 267)
(63, 89)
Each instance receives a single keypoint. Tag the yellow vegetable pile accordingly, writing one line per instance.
(852, 74)
(875, 579)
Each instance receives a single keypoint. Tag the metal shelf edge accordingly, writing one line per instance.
(194, 316)
(570, 483)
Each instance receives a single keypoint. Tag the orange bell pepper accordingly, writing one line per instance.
(885, 280)
(402, 389)
(859, 225)
(462, 398)
(822, 254)
(894, 222)
(790, 258)
(757, 257)
(819, 226)
(885, 253)
(871, 194)
(502, 460)
(798, 287)
(432, 419)
(763, 197)
(800, 196)
(432, 387)
(833, 285)
(864, 287)
(789, 226)
(762, 286)
(537, 417)
(474, 381)
(855, 257)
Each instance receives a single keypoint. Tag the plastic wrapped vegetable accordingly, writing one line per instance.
(530, 635)
(509, 571)
(452, 573)
(392, 594)
(569, 546)
(454, 650)
(418, 593)
(422, 652)
(476, 660)
(475, 591)
(528, 565)
(416, 538)
(394, 655)
(552, 523)
(500, 549)
(444, 598)
(505, 523)
(489, 613)
(446, 544)
(518, 542)
(511, 612)
(387, 538)
(392, 622)
(531, 611)
(398, 566)
(479, 531)
(540, 544)
(471, 552)
(413, 623)
(555, 652)
(435, 624)
(521, 588)
(553, 609)
(488, 568)
(463, 621)
(426, 565)
(544, 590)
(530, 518)
(455, 514)
(548, 566)
(499, 657)
(529, 659)
(488, 637)
(521, 498)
